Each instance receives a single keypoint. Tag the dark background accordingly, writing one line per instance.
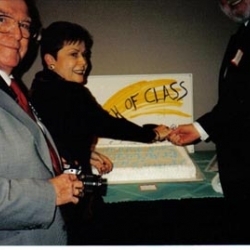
(168, 222)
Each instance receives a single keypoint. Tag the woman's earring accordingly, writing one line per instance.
(51, 66)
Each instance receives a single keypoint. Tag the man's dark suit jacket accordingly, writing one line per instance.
(228, 124)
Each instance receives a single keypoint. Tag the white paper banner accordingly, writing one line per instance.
(155, 98)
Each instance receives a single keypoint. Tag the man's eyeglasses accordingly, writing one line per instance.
(7, 23)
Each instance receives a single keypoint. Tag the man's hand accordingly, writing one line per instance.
(67, 188)
(183, 135)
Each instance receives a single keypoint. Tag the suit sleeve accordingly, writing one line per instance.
(26, 204)
(228, 114)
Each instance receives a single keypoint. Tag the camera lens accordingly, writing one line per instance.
(92, 180)
(93, 183)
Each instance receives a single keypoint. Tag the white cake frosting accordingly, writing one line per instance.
(146, 163)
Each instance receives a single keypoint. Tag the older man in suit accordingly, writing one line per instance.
(31, 189)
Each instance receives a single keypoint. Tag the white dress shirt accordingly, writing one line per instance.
(202, 132)
(6, 77)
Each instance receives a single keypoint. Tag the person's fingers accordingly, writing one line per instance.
(73, 177)
(75, 200)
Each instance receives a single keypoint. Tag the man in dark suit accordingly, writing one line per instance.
(228, 123)
(30, 191)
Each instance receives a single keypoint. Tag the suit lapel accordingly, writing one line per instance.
(8, 103)
(6, 88)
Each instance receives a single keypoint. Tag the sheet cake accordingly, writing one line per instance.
(145, 163)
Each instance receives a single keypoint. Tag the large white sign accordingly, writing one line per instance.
(155, 98)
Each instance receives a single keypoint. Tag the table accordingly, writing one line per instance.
(168, 191)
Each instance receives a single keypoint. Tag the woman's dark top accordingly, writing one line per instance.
(74, 118)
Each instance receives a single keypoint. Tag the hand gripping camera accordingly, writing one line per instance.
(92, 183)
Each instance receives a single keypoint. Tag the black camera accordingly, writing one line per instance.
(92, 183)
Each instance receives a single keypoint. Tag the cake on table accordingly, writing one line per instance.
(147, 163)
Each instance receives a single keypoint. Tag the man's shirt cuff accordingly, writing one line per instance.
(203, 134)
